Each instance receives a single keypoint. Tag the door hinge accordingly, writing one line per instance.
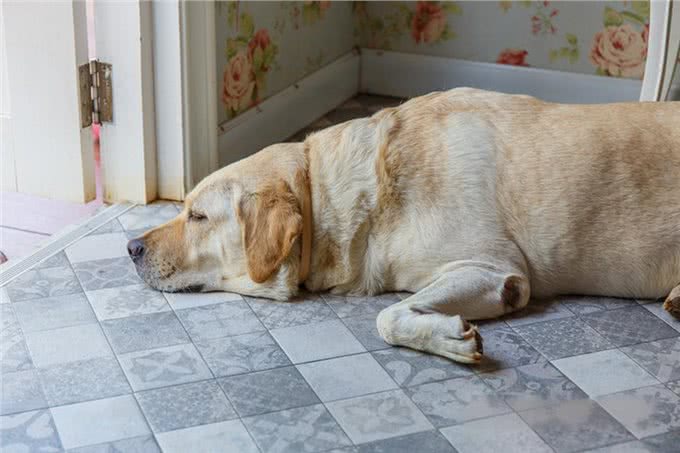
(96, 103)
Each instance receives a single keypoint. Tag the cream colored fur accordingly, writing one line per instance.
(472, 200)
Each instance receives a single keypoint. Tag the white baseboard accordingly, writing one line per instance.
(285, 113)
(407, 75)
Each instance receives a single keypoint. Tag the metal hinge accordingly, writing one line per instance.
(95, 93)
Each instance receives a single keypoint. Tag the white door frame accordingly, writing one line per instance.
(663, 49)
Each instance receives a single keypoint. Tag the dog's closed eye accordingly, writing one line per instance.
(196, 216)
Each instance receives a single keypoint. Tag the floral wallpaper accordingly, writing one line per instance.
(264, 47)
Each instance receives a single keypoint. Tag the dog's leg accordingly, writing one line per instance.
(433, 319)
(672, 303)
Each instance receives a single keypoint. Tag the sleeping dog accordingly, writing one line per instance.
(472, 200)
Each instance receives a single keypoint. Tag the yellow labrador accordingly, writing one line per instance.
(472, 200)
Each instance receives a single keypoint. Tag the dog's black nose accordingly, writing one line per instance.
(136, 248)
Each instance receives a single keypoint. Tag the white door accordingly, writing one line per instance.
(44, 150)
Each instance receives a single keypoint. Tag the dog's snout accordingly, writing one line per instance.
(136, 248)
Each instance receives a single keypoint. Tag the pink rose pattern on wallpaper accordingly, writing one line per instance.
(515, 57)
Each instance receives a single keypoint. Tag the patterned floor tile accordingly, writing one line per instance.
(507, 433)
(14, 354)
(505, 348)
(632, 446)
(123, 301)
(54, 312)
(152, 331)
(164, 366)
(4, 297)
(538, 310)
(629, 326)
(644, 411)
(661, 358)
(141, 444)
(112, 226)
(99, 421)
(85, 380)
(268, 391)
(423, 442)
(663, 443)
(657, 309)
(604, 372)
(674, 386)
(308, 309)
(98, 247)
(532, 386)
(317, 341)
(457, 400)
(346, 377)
(40, 283)
(575, 425)
(219, 320)
(226, 437)
(365, 330)
(109, 273)
(186, 405)
(21, 392)
(180, 301)
(149, 216)
(346, 306)
(56, 260)
(408, 367)
(563, 338)
(308, 429)
(586, 305)
(378, 416)
(242, 354)
(67, 344)
(29, 432)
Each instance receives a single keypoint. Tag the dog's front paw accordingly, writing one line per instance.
(456, 339)
(672, 303)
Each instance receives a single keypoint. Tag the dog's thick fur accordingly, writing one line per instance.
(472, 200)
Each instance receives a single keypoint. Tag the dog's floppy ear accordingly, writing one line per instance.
(270, 223)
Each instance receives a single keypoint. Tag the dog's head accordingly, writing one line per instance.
(238, 231)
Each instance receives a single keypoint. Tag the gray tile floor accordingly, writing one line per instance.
(94, 361)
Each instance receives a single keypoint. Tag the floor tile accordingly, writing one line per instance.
(56, 260)
(68, 344)
(94, 422)
(308, 309)
(378, 416)
(140, 444)
(29, 432)
(507, 433)
(408, 367)
(123, 301)
(346, 306)
(85, 380)
(148, 216)
(537, 311)
(54, 312)
(137, 333)
(21, 392)
(657, 309)
(346, 377)
(185, 405)
(563, 338)
(604, 372)
(108, 273)
(632, 446)
(36, 284)
(365, 330)
(164, 366)
(309, 429)
(661, 358)
(180, 301)
(531, 386)
(674, 386)
(97, 247)
(457, 400)
(112, 226)
(505, 348)
(224, 437)
(423, 442)
(644, 411)
(219, 320)
(317, 341)
(4, 297)
(242, 354)
(575, 425)
(629, 326)
(663, 443)
(587, 304)
(268, 391)
(14, 354)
